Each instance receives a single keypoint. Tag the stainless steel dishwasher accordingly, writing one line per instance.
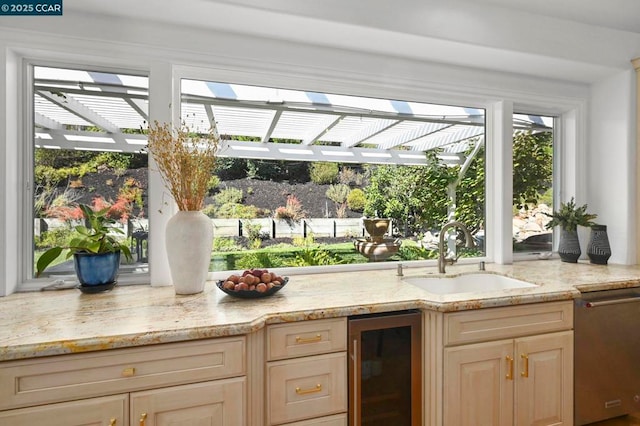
(607, 354)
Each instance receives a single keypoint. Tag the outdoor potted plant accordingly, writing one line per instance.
(569, 217)
(185, 160)
(95, 249)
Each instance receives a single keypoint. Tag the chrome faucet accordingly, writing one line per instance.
(442, 259)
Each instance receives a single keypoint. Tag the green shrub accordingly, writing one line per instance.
(251, 230)
(225, 244)
(416, 253)
(115, 160)
(237, 211)
(324, 173)
(356, 200)
(213, 183)
(228, 196)
(231, 168)
(300, 241)
(259, 260)
(338, 193)
(56, 237)
(210, 210)
(350, 177)
(313, 256)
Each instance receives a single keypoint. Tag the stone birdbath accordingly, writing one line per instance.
(376, 247)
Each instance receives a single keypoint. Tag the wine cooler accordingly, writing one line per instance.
(385, 369)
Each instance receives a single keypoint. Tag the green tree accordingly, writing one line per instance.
(532, 167)
(414, 196)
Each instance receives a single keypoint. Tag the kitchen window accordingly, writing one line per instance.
(287, 133)
(299, 171)
(533, 164)
(87, 148)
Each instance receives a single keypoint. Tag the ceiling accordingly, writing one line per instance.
(574, 40)
(622, 15)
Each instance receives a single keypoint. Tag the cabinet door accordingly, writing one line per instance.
(105, 411)
(478, 384)
(544, 380)
(220, 403)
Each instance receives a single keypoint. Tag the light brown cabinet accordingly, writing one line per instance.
(524, 381)
(103, 411)
(218, 402)
(497, 366)
(306, 373)
(200, 382)
(525, 378)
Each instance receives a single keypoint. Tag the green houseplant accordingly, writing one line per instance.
(95, 249)
(568, 218)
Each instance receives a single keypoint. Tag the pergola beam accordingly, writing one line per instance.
(324, 109)
(276, 151)
(272, 125)
(323, 129)
(46, 122)
(94, 141)
(140, 106)
(75, 107)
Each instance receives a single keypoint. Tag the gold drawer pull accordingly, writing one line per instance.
(316, 338)
(318, 388)
(143, 417)
(525, 360)
(112, 422)
(129, 372)
(509, 368)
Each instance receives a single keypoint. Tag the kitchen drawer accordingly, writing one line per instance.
(66, 377)
(337, 420)
(500, 323)
(306, 338)
(304, 388)
(92, 411)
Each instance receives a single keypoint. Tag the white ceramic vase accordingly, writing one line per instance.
(189, 239)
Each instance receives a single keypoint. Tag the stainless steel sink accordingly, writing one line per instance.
(466, 283)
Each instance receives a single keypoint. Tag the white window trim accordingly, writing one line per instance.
(571, 112)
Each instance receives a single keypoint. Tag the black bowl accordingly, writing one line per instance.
(252, 294)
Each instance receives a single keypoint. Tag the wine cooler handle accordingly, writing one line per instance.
(356, 419)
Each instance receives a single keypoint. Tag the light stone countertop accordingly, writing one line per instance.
(68, 321)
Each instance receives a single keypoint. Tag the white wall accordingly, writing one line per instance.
(611, 167)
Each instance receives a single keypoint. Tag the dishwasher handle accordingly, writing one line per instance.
(595, 304)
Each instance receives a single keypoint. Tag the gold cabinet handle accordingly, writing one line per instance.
(318, 388)
(129, 372)
(112, 422)
(143, 418)
(509, 368)
(302, 340)
(525, 364)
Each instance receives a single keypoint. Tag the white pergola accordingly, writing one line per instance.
(97, 111)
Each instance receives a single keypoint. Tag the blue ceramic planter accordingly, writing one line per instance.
(96, 269)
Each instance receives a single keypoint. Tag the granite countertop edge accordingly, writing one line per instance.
(34, 325)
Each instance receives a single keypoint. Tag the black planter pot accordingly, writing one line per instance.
(96, 272)
(569, 247)
(598, 249)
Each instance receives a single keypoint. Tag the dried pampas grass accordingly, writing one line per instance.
(185, 161)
